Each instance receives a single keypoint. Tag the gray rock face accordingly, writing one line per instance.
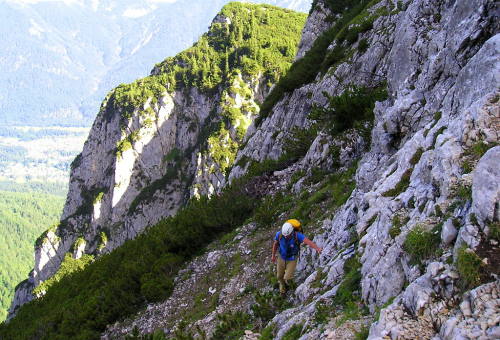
(449, 232)
(315, 26)
(23, 295)
(486, 187)
(440, 60)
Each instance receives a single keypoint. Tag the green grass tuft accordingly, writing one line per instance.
(421, 244)
(470, 268)
(402, 185)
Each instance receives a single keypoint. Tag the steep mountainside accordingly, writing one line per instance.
(383, 140)
(168, 137)
(422, 220)
(420, 227)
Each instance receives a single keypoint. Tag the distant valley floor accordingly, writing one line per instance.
(31, 153)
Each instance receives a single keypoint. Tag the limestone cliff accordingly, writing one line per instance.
(106, 204)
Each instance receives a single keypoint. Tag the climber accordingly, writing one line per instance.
(288, 247)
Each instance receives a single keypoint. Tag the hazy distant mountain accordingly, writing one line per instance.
(60, 58)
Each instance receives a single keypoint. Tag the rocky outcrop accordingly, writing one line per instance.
(106, 182)
(23, 295)
(476, 316)
(315, 26)
(486, 186)
(441, 65)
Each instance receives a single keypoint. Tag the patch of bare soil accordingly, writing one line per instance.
(489, 251)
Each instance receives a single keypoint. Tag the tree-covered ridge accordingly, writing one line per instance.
(23, 216)
(250, 38)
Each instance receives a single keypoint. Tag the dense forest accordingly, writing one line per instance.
(25, 211)
(37, 187)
